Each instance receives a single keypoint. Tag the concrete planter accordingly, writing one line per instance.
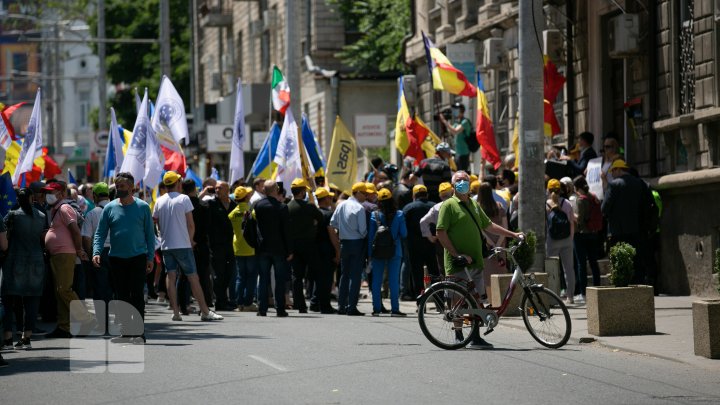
(621, 311)
(499, 284)
(706, 328)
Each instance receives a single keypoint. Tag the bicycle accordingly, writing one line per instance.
(447, 308)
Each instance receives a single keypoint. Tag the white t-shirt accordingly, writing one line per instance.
(92, 220)
(170, 210)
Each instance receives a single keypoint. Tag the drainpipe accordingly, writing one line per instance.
(570, 70)
(652, 87)
(413, 29)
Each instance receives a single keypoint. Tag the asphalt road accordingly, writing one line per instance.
(331, 359)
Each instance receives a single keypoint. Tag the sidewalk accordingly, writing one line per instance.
(673, 339)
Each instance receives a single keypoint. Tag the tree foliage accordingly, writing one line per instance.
(382, 25)
(138, 65)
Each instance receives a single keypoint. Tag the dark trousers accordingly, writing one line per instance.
(639, 276)
(463, 162)
(223, 263)
(281, 267)
(422, 253)
(202, 264)
(587, 248)
(305, 265)
(80, 281)
(128, 276)
(352, 257)
(28, 310)
(440, 256)
(406, 285)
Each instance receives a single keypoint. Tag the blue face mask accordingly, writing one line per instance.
(462, 187)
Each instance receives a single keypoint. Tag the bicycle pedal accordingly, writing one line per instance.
(489, 331)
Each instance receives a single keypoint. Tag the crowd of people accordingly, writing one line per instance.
(252, 247)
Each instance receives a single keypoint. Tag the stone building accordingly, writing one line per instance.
(246, 38)
(643, 69)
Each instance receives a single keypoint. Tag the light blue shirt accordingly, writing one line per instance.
(131, 230)
(350, 220)
(398, 230)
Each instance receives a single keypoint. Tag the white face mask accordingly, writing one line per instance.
(51, 199)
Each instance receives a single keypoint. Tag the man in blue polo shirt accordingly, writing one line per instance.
(132, 249)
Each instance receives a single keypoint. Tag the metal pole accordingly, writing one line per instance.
(532, 194)
(290, 59)
(625, 117)
(102, 86)
(57, 97)
(165, 37)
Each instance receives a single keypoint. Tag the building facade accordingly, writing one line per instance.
(644, 70)
(244, 39)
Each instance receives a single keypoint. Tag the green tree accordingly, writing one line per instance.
(382, 25)
(138, 65)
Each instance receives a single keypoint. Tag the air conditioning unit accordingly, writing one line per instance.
(493, 53)
(553, 46)
(269, 19)
(256, 28)
(623, 38)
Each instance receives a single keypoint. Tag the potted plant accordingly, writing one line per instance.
(621, 309)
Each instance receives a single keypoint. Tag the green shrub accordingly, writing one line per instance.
(525, 255)
(621, 264)
(716, 264)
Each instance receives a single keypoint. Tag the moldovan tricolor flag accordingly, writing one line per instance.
(553, 82)
(280, 91)
(32, 144)
(484, 128)
(402, 137)
(445, 76)
(237, 158)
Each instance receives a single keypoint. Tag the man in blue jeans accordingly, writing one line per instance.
(173, 213)
(351, 222)
(274, 247)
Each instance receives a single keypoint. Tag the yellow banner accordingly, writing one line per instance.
(343, 158)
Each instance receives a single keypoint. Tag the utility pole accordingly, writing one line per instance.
(165, 37)
(102, 87)
(532, 179)
(57, 138)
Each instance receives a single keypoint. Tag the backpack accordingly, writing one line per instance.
(594, 222)
(249, 230)
(558, 222)
(80, 217)
(471, 139)
(383, 246)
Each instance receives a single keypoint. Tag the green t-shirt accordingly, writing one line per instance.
(462, 231)
(461, 146)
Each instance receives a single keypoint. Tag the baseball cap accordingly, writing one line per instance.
(37, 186)
(299, 182)
(242, 192)
(322, 192)
(359, 187)
(370, 188)
(419, 189)
(101, 188)
(444, 147)
(171, 178)
(553, 184)
(473, 178)
(566, 180)
(475, 186)
(444, 187)
(384, 194)
(619, 164)
(53, 187)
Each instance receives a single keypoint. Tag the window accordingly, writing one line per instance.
(84, 110)
(687, 56)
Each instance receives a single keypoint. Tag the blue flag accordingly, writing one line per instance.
(311, 147)
(190, 174)
(267, 152)
(7, 195)
(214, 173)
(71, 178)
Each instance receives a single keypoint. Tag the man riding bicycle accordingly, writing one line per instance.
(459, 227)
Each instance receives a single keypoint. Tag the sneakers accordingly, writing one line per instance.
(282, 314)
(211, 316)
(479, 344)
(354, 312)
(23, 344)
(398, 313)
(580, 299)
(177, 317)
(138, 340)
(375, 313)
(7, 344)
(250, 308)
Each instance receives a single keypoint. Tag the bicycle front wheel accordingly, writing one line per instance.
(546, 318)
(443, 316)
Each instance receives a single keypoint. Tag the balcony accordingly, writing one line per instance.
(215, 16)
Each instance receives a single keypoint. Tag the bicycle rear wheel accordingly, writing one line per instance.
(546, 318)
(443, 318)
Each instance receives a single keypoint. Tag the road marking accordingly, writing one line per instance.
(268, 363)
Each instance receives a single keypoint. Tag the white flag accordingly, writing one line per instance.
(288, 152)
(32, 144)
(154, 160)
(135, 157)
(170, 112)
(237, 158)
(117, 143)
